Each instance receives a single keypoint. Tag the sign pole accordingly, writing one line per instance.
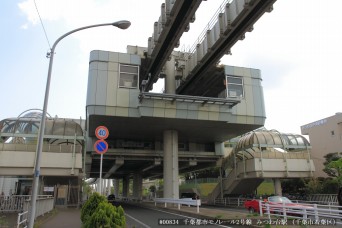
(101, 175)
(101, 147)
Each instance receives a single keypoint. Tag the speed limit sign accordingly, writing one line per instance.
(101, 132)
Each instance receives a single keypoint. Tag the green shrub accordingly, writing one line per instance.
(90, 206)
(106, 215)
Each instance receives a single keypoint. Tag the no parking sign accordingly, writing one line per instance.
(101, 146)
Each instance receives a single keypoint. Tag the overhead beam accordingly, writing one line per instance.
(118, 163)
(225, 42)
(183, 11)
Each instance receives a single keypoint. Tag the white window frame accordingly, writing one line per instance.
(132, 86)
(238, 84)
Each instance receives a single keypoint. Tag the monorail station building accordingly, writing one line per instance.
(164, 134)
(161, 135)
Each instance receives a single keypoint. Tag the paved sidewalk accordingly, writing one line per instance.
(8, 220)
(64, 217)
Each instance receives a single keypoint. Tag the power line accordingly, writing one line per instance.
(47, 39)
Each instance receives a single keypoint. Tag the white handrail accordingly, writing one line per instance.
(308, 212)
(21, 219)
(179, 202)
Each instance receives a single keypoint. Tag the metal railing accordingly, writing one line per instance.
(314, 214)
(323, 199)
(179, 202)
(46, 148)
(12, 203)
(21, 204)
(191, 99)
(209, 26)
(202, 180)
(45, 204)
(231, 201)
(22, 219)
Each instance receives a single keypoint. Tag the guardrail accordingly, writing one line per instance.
(309, 214)
(184, 201)
(321, 199)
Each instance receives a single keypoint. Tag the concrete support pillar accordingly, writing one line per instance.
(99, 186)
(109, 186)
(170, 81)
(105, 187)
(2, 179)
(170, 164)
(116, 184)
(277, 187)
(219, 148)
(137, 186)
(125, 186)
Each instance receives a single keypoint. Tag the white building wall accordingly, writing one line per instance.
(325, 137)
(7, 185)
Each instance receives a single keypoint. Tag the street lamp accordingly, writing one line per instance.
(120, 24)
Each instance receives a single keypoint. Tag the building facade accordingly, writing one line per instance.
(325, 137)
(154, 135)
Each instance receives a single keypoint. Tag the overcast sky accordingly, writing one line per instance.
(297, 47)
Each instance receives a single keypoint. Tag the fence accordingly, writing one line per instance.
(231, 201)
(46, 148)
(21, 204)
(12, 203)
(309, 214)
(324, 199)
(179, 202)
(202, 180)
(44, 205)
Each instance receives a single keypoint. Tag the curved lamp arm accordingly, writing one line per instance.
(123, 24)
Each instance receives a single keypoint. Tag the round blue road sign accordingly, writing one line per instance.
(101, 146)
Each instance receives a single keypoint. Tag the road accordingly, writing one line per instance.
(141, 217)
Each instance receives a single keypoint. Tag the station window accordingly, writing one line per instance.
(234, 86)
(129, 76)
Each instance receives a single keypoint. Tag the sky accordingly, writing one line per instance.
(297, 47)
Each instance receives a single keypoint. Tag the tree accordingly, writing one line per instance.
(106, 215)
(293, 186)
(90, 206)
(335, 170)
(333, 167)
(153, 188)
(330, 186)
(314, 186)
(87, 190)
(330, 169)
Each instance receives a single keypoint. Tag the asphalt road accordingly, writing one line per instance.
(140, 217)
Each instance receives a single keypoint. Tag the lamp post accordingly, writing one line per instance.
(120, 24)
